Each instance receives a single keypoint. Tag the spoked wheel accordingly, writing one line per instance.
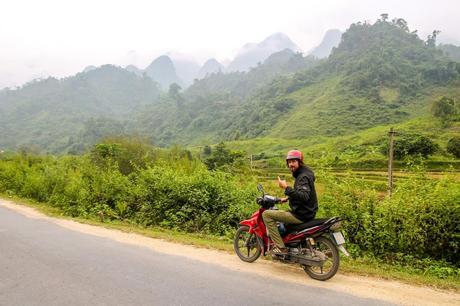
(246, 245)
(330, 264)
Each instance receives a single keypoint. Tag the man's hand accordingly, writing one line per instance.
(284, 200)
(282, 183)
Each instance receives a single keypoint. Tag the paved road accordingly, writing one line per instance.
(42, 263)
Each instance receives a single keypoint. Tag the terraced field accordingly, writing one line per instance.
(376, 178)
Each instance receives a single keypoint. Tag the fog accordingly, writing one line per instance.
(60, 38)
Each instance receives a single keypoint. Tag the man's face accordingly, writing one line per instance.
(293, 164)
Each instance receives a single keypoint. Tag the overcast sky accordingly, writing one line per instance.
(60, 38)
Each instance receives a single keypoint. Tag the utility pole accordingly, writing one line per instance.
(390, 161)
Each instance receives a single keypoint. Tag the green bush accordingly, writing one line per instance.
(411, 145)
(453, 146)
(420, 219)
(173, 191)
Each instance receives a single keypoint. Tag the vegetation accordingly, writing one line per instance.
(380, 74)
(130, 180)
(410, 144)
(419, 220)
(69, 114)
(446, 110)
(337, 110)
(221, 157)
(453, 146)
(452, 51)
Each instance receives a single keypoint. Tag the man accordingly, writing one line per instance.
(302, 200)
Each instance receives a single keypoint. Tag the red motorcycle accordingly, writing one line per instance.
(314, 244)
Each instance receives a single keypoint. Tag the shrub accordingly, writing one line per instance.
(411, 145)
(420, 219)
(453, 146)
(221, 157)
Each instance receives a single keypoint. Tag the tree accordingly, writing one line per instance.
(401, 23)
(221, 156)
(207, 150)
(444, 108)
(411, 145)
(453, 146)
(174, 90)
(431, 40)
(384, 17)
(128, 153)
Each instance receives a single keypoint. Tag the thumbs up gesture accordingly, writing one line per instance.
(282, 183)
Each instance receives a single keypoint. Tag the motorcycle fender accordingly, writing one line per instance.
(248, 223)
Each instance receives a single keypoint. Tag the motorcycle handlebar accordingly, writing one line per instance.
(268, 201)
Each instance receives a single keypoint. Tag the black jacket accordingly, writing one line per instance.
(302, 198)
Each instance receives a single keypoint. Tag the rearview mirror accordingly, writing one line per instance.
(260, 188)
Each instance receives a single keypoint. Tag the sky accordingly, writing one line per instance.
(60, 38)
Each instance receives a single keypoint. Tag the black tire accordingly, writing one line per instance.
(246, 245)
(330, 266)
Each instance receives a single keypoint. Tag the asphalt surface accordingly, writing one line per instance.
(42, 263)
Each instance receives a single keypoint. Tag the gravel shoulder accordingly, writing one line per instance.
(366, 287)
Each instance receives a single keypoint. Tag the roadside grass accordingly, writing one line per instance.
(364, 266)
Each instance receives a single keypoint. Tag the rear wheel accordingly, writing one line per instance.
(246, 245)
(330, 263)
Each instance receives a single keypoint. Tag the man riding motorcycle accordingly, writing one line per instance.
(302, 200)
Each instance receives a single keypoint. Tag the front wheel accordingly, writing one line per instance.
(246, 245)
(330, 264)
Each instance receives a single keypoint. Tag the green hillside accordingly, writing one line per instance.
(358, 150)
(208, 110)
(380, 75)
(48, 114)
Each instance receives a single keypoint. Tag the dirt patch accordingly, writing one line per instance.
(367, 287)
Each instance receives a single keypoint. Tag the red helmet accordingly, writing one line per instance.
(294, 154)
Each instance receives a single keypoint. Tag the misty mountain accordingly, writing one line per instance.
(379, 74)
(210, 66)
(162, 70)
(48, 113)
(252, 54)
(89, 68)
(135, 70)
(331, 40)
(187, 70)
(207, 109)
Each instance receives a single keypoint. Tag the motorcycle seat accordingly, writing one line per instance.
(315, 222)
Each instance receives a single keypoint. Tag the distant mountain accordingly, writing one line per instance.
(89, 68)
(331, 39)
(162, 70)
(134, 69)
(252, 54)
(379, 74)
(186, 69)
(210, 66)
(50, 113)
(280, 58)
(206, 110)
